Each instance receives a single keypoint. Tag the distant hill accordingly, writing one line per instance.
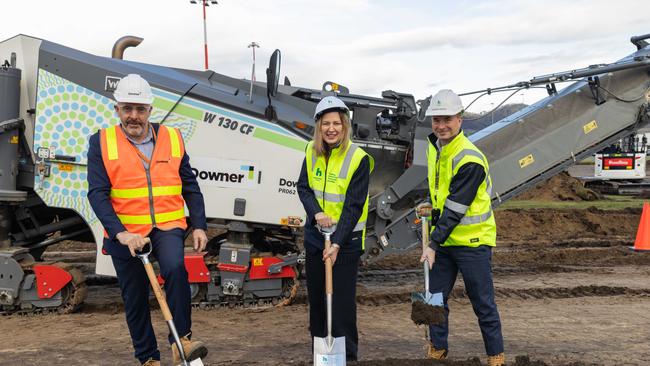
(473, 122)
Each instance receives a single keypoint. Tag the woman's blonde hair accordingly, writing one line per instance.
(320, 148)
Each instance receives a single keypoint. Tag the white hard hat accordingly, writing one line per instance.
(329, 103)
(133, 89)
(444, 103)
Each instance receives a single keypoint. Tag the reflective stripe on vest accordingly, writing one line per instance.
(144, 192)
(477, 225)
(146, 219)
(332, 197)
(330, 180)
(141, 197)
(111, 143)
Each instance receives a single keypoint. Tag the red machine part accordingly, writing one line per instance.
(227, 267)
(196, 269)
(50, 280)
(260, 269)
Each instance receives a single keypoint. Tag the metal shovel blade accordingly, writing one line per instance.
(195, 362)
(429, 298)
(329, 351)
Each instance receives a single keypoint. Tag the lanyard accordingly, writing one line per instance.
(140, 154)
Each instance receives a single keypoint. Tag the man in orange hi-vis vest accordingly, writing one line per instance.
(139, 180)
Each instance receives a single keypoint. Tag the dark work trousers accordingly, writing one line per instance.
(476, 266)
(134, 283)
(344, 305)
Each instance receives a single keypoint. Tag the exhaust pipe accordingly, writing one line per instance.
(124, 43)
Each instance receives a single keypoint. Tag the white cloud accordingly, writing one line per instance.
(408, 46)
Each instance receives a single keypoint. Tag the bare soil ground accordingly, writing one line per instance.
(561, 187)
(569, 290)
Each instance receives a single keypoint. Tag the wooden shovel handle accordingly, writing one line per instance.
(329, 288)
(160, 296)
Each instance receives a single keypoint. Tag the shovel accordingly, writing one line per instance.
(329, 351)
(164, 308)
(427, 308)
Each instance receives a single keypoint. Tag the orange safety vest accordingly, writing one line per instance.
(145, 198)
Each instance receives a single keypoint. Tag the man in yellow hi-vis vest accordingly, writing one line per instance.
(464, 230)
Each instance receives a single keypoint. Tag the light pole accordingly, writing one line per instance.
(205, 26)
(253, 45)
(492, 113)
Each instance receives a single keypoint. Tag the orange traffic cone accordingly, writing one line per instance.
(642, 242)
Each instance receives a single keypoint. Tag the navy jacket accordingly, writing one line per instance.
(99, 189)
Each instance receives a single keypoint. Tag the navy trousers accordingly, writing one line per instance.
(476, 266)
(344, 306)
(134, 284)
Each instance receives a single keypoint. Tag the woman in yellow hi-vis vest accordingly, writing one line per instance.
(333, 188)
(464, 231)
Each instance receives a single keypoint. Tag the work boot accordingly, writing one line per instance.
(192, 350)
(434, 353)
(151, 362)
(497, 360)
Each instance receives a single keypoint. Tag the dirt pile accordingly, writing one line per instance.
(422, 313)
(557, 225)
(561, 187)
(559, 237)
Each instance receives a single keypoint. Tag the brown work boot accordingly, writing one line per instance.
(435, 354)
(497, 360)
(151, 362)
(192, 350)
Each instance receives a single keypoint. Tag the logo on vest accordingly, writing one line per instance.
(319, 173)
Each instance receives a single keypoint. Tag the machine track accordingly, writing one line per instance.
(73, 294)
(288, 297)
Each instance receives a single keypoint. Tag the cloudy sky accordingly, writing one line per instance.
(409, 46)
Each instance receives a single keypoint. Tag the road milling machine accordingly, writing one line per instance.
(246, 142)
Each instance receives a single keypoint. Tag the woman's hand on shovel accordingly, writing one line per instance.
(429, 255)
(323, 220)
(332, 253)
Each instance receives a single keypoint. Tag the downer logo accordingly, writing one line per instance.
(218, 176)
(111, 83)
(227, 173)
(247, 175)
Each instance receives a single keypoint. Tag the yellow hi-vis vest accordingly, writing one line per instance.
(329, 179)
(477, 227)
